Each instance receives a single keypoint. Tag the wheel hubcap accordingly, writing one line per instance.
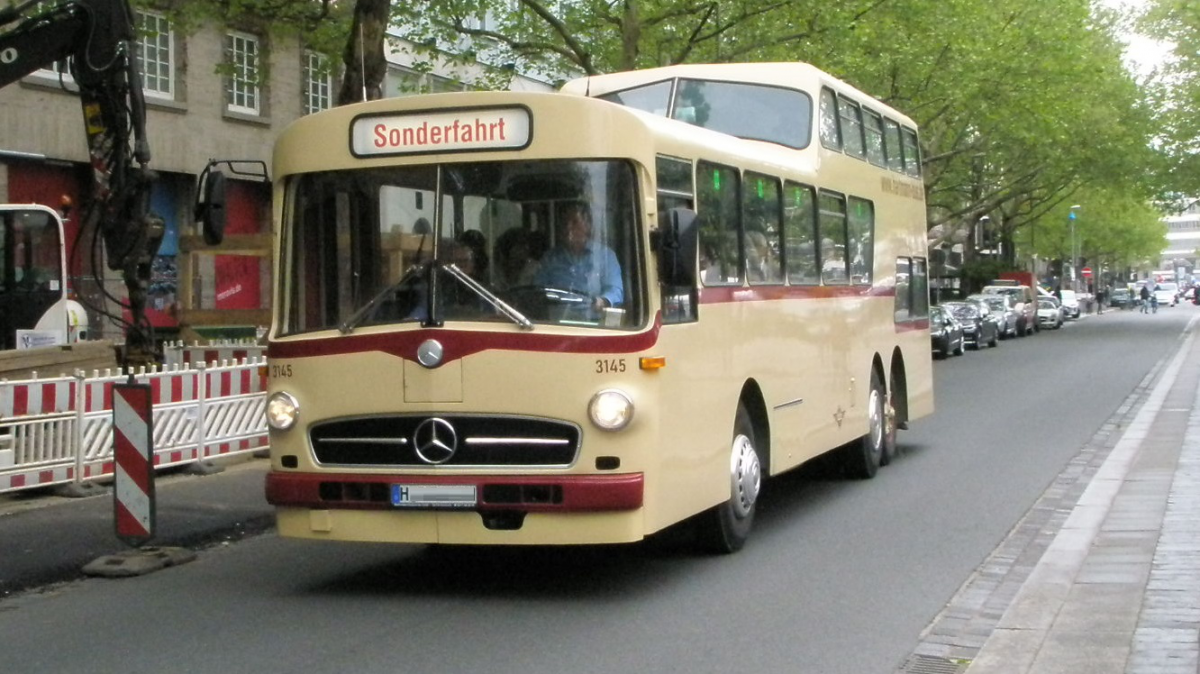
(746, 476)
(876, 421)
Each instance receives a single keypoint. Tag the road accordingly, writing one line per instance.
(840, 577)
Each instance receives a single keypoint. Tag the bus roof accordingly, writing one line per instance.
(794, 75)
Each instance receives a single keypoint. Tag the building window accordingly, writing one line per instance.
(242, 55)
(155, 48)
(318, 82)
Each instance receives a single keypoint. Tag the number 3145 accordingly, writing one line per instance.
(605, 366)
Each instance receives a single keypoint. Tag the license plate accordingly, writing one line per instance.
(433, 495)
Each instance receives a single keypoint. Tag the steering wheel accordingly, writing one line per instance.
(541, 301)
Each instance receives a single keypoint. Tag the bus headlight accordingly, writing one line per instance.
(610, 410)
(282, 410)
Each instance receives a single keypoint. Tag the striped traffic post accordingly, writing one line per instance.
(133, 453)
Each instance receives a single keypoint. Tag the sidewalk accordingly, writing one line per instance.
(1103, 575)
(48, 539)
(1118, 589)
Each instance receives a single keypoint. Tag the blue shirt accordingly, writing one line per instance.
(595, 272)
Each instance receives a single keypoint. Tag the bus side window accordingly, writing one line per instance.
(852, 127)
(717, 192)
(912, 153)
(873, 128)
(891, 146)
(761, 215)
(830, 137)
(903, 305)
(920, 288)
(800, 234)
(832, 232)
(861, 223)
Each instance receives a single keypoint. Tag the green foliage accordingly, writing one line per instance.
(980, 272)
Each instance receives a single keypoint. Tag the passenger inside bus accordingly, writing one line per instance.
(581, 264)
(518, 255)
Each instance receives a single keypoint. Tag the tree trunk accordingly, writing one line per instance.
(363, 57)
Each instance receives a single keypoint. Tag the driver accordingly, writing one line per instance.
(579, 263)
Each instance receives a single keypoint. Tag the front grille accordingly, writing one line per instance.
(478, 441)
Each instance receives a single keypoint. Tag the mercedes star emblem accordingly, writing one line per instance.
(435, 441)
(429, 353)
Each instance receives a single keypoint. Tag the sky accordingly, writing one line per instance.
(1142, 54)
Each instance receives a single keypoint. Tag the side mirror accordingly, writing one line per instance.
(210, 211)
(677, 244)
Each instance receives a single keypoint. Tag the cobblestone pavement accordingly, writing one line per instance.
(1102, 575)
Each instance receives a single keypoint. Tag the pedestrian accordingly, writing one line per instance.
(1144, 299)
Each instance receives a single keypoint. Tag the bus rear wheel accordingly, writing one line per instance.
(726, 528)
(863, 457)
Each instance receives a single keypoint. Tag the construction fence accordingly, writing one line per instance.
(58, 431)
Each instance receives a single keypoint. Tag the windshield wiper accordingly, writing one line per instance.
(489, 297)
(359, 316)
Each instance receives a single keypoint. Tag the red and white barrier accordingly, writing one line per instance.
(58, 431)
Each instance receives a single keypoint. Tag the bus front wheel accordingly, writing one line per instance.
(726, 528)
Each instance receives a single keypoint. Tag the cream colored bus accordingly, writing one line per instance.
(544, 318)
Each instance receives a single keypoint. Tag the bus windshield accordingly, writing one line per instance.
(525, 242)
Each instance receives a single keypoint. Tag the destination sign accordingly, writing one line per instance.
(447, 131)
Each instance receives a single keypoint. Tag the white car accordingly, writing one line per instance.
(1049, 314)
(1167, 293)
(1070, 303)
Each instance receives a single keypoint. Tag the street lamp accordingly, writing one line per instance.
(1074, 256)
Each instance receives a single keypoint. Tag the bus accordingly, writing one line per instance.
(35, 309)
(530, 318)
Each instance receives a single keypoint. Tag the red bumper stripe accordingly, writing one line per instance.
(577, 492)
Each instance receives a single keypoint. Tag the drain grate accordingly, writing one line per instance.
(925, 664)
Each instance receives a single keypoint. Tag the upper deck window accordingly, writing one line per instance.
(653, 98)
(750, 111)
(852, 127)
(831, 136)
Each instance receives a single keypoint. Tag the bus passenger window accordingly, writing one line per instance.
(912, 153)
(717, 190)
(830, 137)
(873, 128)
(852, 131)
(861, 224)
(799, 234)
(903, 304)
(761, 216)
(832, 226)
(891, 146)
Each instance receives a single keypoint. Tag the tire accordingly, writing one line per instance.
(726, 528)
(889, 427)
(862, 458)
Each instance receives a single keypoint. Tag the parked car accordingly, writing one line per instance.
(1050, 315)
(977, 330)
(1070, 303)
(1026, 305)
(996, 317)
(1122, 298)
(1004, 306)
(945, 333)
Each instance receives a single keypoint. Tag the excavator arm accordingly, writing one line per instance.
(98, 35)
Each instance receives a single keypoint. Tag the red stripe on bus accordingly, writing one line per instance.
(721, 294)
(579, 492)
(459, 344)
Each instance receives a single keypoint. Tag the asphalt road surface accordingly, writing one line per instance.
(841, 576)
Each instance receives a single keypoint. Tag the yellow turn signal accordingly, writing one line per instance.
(652, 362)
